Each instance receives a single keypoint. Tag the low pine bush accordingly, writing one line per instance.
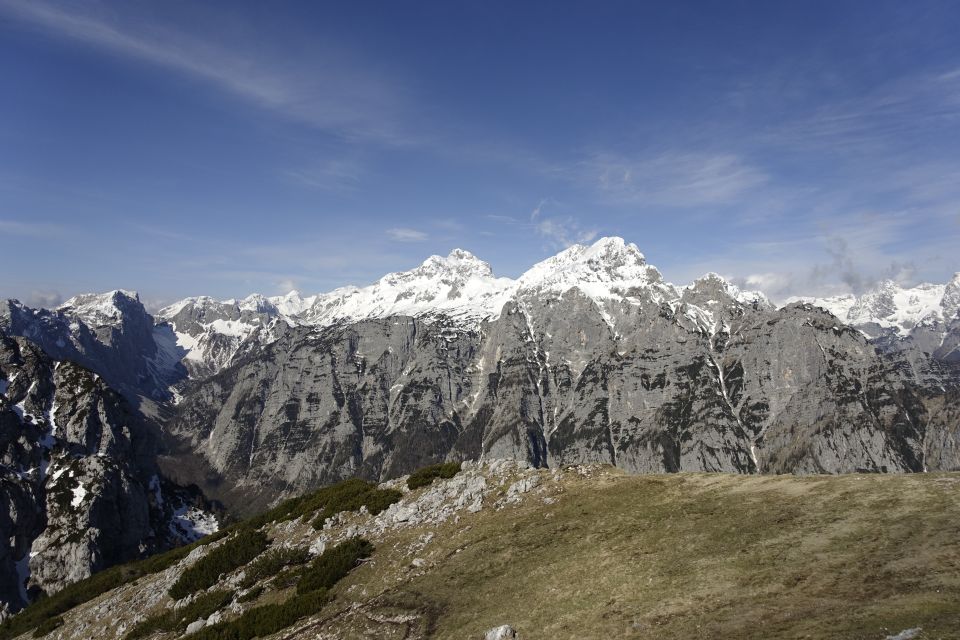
(423, 477)
(312, 593)
(178, 619)
(333, 564)
(251, 595)
(248, 542)
(263, 621)
(348, 495)
(237, 551)
(271, 563)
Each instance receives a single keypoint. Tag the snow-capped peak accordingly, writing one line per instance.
(458, 265)
(292, 304)
(890, 306)
(607, 261)
(459, 285)
(714, 287)
(97, 309)
(950, 303)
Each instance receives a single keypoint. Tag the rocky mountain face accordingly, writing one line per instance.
(78, 487)
(592, 358)
(921, 320)
(109, 333)
(588, 357)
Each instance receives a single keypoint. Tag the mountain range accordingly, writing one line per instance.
(588, 357)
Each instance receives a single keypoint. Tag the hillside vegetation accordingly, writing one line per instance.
(588, 552)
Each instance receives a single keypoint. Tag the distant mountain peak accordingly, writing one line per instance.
(463, 289)
(459, 264)
(102, 308)
(608, 260)
(892, 307)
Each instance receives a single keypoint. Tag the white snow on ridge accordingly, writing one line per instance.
(97, 309)
(609, 269)
(459, 286)
(208, 333)
(232, 328)
(462, 287)
(892, 307)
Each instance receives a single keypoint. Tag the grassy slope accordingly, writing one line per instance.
(682, 556)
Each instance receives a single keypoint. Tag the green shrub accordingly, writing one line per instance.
(268, 619)
(48, 608)
(48, 626)
(348, 495)
(251, 595)
(333, 564)
(287, 578)
(178, 619)
(271, 563)
(237, 551)
(312, 593)
(423, 477)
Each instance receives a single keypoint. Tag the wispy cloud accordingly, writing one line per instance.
(45, 299)
(563, 232)
(327, 89)
(402, 234)
(841, 254)
(891, 114)
(286, 285)
(560, 232)
(672, 179)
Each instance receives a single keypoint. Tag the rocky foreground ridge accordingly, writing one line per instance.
(582, 551)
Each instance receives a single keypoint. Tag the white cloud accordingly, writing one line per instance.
(287, 285)
(536, 210)
(774, 283)
(402, 234)
(563, 232)
(45, 299)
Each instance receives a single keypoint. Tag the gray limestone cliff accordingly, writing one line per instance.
(79, 490)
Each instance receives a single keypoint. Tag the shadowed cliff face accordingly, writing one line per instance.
(642, 385)
(78, 487)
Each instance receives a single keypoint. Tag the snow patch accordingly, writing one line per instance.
(79, 493)
(889, 306)
(190, 523)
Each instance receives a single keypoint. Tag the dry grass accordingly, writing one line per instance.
(682, 556)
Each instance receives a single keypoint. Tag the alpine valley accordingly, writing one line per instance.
(124, 433)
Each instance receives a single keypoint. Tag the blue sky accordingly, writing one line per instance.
(183, 148)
